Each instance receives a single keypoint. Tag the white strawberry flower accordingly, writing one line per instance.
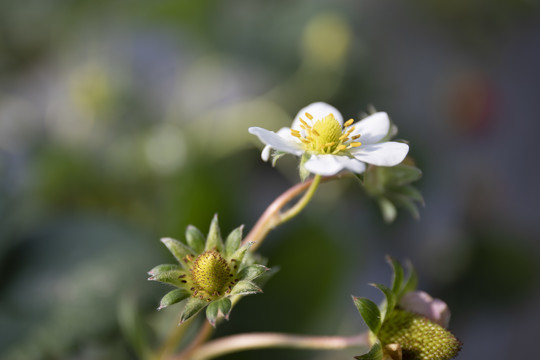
(328, 145)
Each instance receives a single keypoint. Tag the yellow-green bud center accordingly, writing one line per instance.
(420, 339)
(211, 274)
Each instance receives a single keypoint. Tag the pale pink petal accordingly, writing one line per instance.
(372, 129)
(388, 153)
(318, 110)
(421, 303)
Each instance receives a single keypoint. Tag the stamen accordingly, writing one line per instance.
(355, 144)
(343, 137)
(303, 122)
(341, 147)
(309, 116)
(329, 144)
(315, 132)
(355, 137)
(348, 122)
(296, 134)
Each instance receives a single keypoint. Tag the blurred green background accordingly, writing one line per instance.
(123, 122)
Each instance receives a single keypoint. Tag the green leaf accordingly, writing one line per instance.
(412, 281)
(252, 272)
(193, 306)
(375, 353)
(388, 210)
(171, 277)
(390, 300)
(163, 268)
(225, 307)
(173, 297)
(233, 241)
(213, 240)
(212, 312)
(245, 287)
(181, 252)
(369, 312)
(195, 239)
(397, 279)
(410, 192)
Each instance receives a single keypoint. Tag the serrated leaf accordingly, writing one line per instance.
(163, 268)
(173, 297)
(233, 241)
(213, 240)
(252, 272)
(193, 306)
(397, 278)
(195, 239)
(245, 287)
(390, 298)
(388, 210)
(370, 313)
(181, 252)
(375, 353)
(412, 281)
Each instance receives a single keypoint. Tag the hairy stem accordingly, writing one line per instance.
(235, 343)
(273, 216)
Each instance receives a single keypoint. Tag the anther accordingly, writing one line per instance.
(315, 132)
(348, 122)
(309, 116)
(303, 122)
(355, 137)
(355, 144)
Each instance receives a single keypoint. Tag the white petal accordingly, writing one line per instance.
(373, 128)
(388, 153)
(265, 153)
(318, 110)
(276, 141)
(325, 165)
(284, 132)
(354, 165)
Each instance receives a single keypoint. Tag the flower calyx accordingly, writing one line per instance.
(210, 272)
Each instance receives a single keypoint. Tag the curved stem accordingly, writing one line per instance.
(235, 343)
(204, 333)
(273, 217)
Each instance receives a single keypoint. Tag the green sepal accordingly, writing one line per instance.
(397, 279)
(171, 277)
(388, 210)
(218, 309)
(411, 283)
(304, 173)
(370, 313)
(173, 297)
(252, 272)
(195, 239)
(391, 300)
(179, 250)
(402, 174)
(193, 306)
(245, 287)
(233, 241)
(276, 155)
(163, 268)
(375, 353)
(238, 255)
(213, 240)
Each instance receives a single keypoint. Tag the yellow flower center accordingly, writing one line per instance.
(211, 275)
(326, 136)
